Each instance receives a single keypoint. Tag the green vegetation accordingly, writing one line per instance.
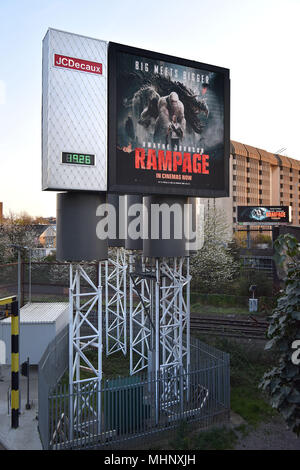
(247, 364)
(222, 304)
(218, 438)
(283, 381)
(212, 310)
(250, 405)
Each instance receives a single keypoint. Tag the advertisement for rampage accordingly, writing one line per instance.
(170, 126)
(264, 214)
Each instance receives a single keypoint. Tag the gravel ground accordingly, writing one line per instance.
(272, 435)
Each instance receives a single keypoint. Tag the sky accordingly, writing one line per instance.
(257, 40)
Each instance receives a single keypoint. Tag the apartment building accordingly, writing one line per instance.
(258, 177)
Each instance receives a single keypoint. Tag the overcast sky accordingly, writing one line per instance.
(257, 40)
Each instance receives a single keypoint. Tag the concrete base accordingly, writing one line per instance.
(26, 436)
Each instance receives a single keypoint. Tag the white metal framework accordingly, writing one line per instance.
(174, 315)
(85, 297)
(139, 315)
(159, 320)
(160, 325)
(115, 302)
(160, 315)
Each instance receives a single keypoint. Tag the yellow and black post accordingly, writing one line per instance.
(14, 357)
(15, 364)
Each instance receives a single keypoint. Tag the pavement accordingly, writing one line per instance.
(26, 436)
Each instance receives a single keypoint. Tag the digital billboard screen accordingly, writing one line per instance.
(168, 124)
(264, 214)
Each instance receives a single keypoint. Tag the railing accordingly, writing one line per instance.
(111, 413)
(52, 366)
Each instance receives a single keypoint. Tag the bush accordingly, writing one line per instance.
(252, 277)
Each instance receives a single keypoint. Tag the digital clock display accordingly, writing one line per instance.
(78, 158)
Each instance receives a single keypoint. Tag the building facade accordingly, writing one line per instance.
(258, 177)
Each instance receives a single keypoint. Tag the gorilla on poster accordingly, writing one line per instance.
(170, 124)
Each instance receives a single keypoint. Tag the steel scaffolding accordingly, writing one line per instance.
(115, 302)
(139, 313)
(159, 299)
(84, 298)
(159, 322)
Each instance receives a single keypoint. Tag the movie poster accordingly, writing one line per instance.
(264, 214)
(170, 125)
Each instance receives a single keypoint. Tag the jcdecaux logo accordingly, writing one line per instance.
(77, 64)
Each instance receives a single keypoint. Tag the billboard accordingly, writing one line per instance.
(168, 124)
(74, 112)
(268, 215)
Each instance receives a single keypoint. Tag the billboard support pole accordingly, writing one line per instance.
(248, 237)
(115, 302)
(159, 325)
(84, 335)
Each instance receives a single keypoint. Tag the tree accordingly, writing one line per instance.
(283, 381)
(214, 265)
(14, 232)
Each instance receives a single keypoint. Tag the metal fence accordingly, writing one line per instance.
(52, 366)
(116, 411)
(39, 281)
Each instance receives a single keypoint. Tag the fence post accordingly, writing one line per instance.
(181, 390)
(22, 276)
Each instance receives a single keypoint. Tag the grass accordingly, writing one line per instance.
(214, 310)
(247, 366)
(217, 438)
(250, 405)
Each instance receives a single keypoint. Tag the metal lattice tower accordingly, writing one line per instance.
(115, 302)
(84, 334)
(139, 315)
(174, 315)
(160, 316)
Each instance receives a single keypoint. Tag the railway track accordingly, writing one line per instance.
(249, 328)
